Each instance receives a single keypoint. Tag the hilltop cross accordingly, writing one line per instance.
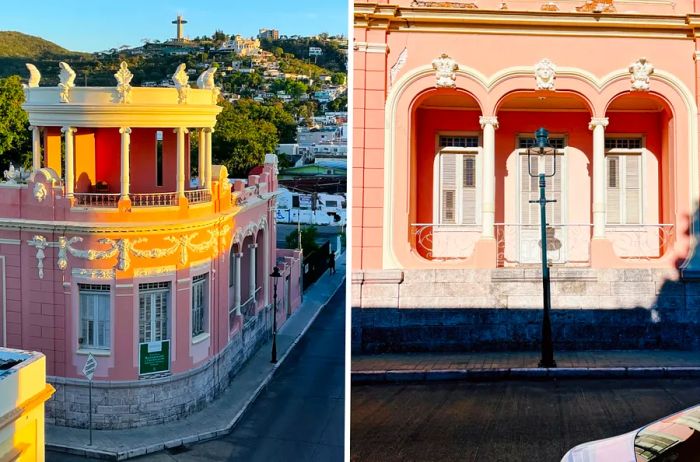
(179, 21)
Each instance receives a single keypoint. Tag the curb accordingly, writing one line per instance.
(524, 373)
(199, 437)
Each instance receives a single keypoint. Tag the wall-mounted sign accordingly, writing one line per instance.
(154, 357)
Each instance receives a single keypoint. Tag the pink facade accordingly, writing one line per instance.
(154, 278)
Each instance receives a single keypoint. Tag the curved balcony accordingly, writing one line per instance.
(160, 199)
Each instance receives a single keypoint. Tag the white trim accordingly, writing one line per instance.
(10, 241)
(622, 173)
(371, 47)
(94, 352)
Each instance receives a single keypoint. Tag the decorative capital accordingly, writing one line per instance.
(181, 79)
(640, 71)
(124, 77)
(596, 121)
(488, 120)
(67, 81)
(545, 73)
(445, 68)
(68, 130)
(125, 130)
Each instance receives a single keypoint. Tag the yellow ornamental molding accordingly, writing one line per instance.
(184, 242)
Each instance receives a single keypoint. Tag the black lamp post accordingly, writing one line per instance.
(275, 275)
(542, 148)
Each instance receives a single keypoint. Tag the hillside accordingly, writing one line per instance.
(19, 45)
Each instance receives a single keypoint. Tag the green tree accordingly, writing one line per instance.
(241, 142)
(15, 139)
(309, 234)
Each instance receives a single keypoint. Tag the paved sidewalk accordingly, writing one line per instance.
(220, 416)
(505, 365)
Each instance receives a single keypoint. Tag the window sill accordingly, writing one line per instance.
(87, 351)
(200, 338)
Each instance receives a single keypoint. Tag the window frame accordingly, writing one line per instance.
(161, 286)
(462, 152)
(91, 288)
(620, 153)
(200, 280)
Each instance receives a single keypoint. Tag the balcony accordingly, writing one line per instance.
(519, 244)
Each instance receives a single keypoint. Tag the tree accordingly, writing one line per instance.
(240, 142)
(309, 234)
(15, 139)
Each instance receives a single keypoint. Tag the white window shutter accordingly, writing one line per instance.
(613, 214)
(468, 189)
(632, 189)
(448, 187)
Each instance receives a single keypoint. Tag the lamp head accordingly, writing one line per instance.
(542, 138)
(275, 273)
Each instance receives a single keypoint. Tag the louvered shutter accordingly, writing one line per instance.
(632, 189)
(613, 190)
(468, 189)
(553, 189)
(448, 188)
(530, 191)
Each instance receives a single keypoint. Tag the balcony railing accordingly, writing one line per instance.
(248, 307)
(198, 196)
(153, 199)
(646, 242)
(519, 244)
(96, 199)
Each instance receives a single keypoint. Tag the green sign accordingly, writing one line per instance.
(154, 357)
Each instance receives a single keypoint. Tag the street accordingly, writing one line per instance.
(504, 421)
(298, 417)
(325, 233)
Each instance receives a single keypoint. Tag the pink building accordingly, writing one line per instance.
(106, 248)
(446, 245)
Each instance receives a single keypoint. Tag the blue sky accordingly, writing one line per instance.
(102, 24)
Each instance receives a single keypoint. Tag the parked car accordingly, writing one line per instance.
(675, 438)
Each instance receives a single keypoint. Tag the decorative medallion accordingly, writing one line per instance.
(641, 70)
(445, 68)
(549, 6)
(545, 73)
(39, 192)
(124, 77)
(67, 81)
(40, 243)
(597, 6)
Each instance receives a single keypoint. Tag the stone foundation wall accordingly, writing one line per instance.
(152, 401)
(501, 309)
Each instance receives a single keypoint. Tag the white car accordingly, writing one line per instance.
(675, 438)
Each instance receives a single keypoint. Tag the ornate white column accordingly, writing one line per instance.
(237, 282)
(598, 125)
(180, 131)
(202, 159)
(251, 279)
(207, 161)
(68, 155)
(36, 147)
(489, 124)
(126, 142)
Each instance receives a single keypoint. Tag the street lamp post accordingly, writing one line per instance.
(543, 148)
(275, 275)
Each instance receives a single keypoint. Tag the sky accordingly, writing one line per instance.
(96, 25)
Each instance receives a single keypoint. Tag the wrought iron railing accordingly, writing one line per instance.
(161, 199)
(520, 244)
(646, 242)
(248, 307)
(198, 196)
(96, 199)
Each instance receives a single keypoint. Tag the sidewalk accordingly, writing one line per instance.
(220, 416)
(523, 365)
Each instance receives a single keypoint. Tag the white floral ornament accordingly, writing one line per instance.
(67, 81)
(445, 68)
(181, 81)
(545, 74)
(124, 77)
(39, 192)
(641, 70)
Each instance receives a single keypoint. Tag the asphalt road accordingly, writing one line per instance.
(299, 417)
(503, 421)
